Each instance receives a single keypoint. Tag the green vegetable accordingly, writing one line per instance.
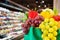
(55, 11)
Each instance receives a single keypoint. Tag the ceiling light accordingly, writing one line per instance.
(36, 1)
(39, 6)
(44, 5)
(27, 5)
(42, 2)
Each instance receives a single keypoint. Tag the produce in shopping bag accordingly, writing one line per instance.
(47, 13)
(32, 14)
(47, 21)
(57, 17)
(37, 21)
(33, 20)
(49, 29)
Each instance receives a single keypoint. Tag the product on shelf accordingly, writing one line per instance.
(10, 22)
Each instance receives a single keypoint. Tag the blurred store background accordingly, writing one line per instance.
(13, 14)
(31, 4)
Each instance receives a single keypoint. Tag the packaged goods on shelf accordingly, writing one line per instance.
(10, 24)
(4, 9)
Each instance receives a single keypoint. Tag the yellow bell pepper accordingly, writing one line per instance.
(47, 13)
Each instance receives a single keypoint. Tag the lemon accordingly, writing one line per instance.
(56, 23)
(42, 23)
(55, 33)
(45, 32)
(51, 23)
(42, 30)
(42, 26)
(46, 20)
(46, 38)
(51, 29)
(51, 19)
(55, 28)
(43, 35)
(50, 35)
(46, 24)
(54, 38)
(47, 27)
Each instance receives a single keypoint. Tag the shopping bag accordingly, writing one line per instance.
(37, 33)
(33, 34)
(58, 36)
(30, 35)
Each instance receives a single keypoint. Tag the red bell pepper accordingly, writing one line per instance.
(32, 14)
(57, 17)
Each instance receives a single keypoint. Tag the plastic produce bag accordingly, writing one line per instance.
(58, 36)
(34, 34)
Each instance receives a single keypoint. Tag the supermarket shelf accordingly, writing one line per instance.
(14, 37)
(8, 18)
(12, 7)
(10, 24)
(7, 26)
